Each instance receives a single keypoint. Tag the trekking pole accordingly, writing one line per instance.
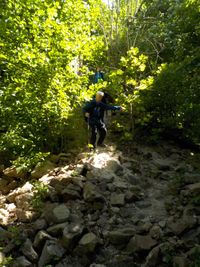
(88, 130)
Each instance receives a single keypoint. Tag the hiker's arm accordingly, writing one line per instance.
(108, 107)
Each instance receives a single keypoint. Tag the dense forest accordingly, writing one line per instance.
(148, 50)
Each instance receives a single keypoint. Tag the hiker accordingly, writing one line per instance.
(99, 75)
(93, 111)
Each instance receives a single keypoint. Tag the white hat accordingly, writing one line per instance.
(100, 93)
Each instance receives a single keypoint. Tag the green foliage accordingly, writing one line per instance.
(15, 235)
(196, 258)
(7, 261)
(43, 49)
(195, 200)
(40, 192)
(27, 163)
(176, 184)
(168, 257)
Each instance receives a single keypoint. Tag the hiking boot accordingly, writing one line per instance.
(92, 147)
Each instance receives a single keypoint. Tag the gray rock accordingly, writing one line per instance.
(22, 262)
(42, 168)
(107, 176)
(140, 243)
(114, 166)
(71, 235)
(117, 199)
(87, 244)
(97, 265)
(40, 239)
(152, 258)
(4, 186)
(181, 225)
(40, 224)
(69, 262)
(23, 201)
(133, 179)
(57, 229)
(156, 232)
(134, 194)
(193, 189)
(71, 192)
(52, 251)
(120, 236)
(163, 164)
(131, 164)
(60, 214)
(92, 196)
(90, 192)
(192, 237)
(180, 261)
(26, 215)
(144, 226)
(162, 224)
(28, 251)
(27, 187)
(13, 172)
(191, 178)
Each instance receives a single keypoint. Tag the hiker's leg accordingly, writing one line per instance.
(93, 135)
(102, 133)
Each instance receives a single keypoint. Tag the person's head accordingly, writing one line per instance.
(98, 69)
(99, 96)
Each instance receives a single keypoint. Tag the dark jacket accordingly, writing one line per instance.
(96, 110)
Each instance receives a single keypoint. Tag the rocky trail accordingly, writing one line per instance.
(108, 208)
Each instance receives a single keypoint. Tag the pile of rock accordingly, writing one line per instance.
(115, 216)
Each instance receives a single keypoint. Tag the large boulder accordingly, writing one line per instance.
(4, 216)
(87, 244)
(180, 261)
(14, 172)
(193, 189)
(28, 251)
(57, 229)
(114, 166)
(39, 224)
(26, 188)
(181, 225)
(4, 186)
(117, 199)
(153, 258)
(42, 168)
(156, 232)
(26, 215)
(92, 196)
(23, 201)
(22, 262)
(140, 243)
(51, 252)
(57, 214)
(71, 235)
(163, 164)
(40, 239)
(120, 236)
(71, 192)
